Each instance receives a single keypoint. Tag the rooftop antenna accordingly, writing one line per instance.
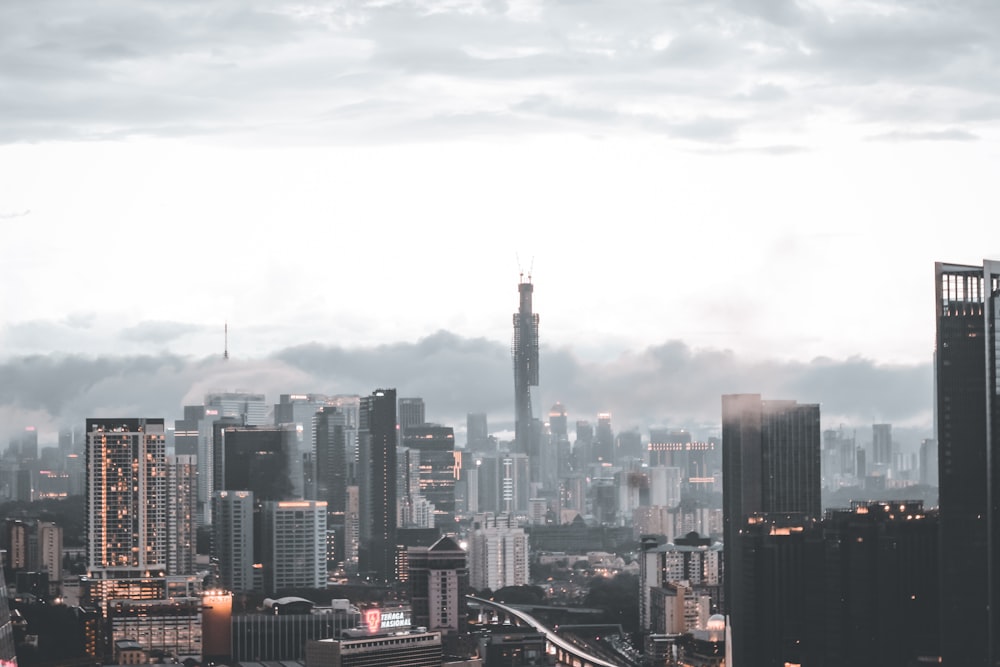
(225, 352)
(520, 269)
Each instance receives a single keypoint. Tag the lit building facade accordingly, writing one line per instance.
(127, 498)
(437, 467)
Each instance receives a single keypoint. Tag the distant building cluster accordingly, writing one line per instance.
(226, 535)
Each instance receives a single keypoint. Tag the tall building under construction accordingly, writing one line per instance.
(524, 349)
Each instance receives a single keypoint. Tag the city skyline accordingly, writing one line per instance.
(692, 187)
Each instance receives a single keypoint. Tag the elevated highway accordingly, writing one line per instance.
(568, 653)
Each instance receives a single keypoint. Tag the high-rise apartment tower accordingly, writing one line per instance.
(127, 498)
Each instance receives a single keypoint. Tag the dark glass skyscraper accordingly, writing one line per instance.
(377, 441)
(438, 467)
(524, 349)
(770, 465)
(968, 425)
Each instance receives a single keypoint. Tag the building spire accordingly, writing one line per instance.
(225, 349)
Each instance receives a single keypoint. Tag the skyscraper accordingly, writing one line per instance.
(968, 434)
(127, 498)
(411, 413)
(182, 492)
(437, 467)
(294, 544)
(524, 349)
(881, 444)
(264, 459)
(233, 539)
(771, 455)
(439, 581)
(332, 471)
(476, 432)
(377, 442)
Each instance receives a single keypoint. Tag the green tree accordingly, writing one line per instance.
(618, 597)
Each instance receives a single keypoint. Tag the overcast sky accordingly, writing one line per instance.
(710, 196)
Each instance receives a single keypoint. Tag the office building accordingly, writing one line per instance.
(300, 409)
(250, 409)
(883, 593)
(439, 582)
(498, 554)
(264, 459)
(413, 649)
(127, 498)
(928, 462)
(559, 437)
(524, 349)
(334, 470)
(604, 440)
(437, 467)
(294, 544)
(160, 613)
(193, 436)
(411, 413)
(584, 444)
(377, 472)
(182, 492)
(233, 539)
(282, 631)
(771, 455)
(968, 419)
(515, 482)
(477, 434)
(881, 445)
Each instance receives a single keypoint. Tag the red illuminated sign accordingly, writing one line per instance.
(373, 619)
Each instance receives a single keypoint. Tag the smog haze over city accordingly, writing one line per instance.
(709, 197)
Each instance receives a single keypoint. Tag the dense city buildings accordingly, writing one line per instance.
(968, 438)
(691, 567)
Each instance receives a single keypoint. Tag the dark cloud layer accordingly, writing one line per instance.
(668, 384)
(71, 70)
